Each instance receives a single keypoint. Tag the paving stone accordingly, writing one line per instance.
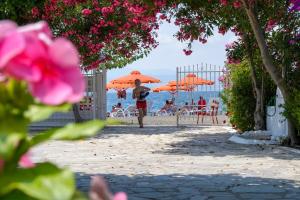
(257, 189)
(260, 196)
(167, 163)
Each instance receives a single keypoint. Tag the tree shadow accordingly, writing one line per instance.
(217, 145)
(116, 131)
(195, 186)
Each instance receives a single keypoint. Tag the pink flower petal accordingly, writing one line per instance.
(75, 79)
(35, 47)
(120, 196)
(63, 53)
(10, 46)
(51, 90)
(7, 26)
(25, 161)
(22, 68)
(37, 28)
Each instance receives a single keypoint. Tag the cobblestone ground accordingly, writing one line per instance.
(186, 163)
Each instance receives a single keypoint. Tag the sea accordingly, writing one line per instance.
(159, 99)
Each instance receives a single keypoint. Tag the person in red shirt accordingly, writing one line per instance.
(201, 108)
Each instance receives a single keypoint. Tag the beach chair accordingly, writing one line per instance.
(161, 113)
(131, 111)
(118, 113)
(149, 107)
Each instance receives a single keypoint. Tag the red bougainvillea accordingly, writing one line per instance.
(113, 32)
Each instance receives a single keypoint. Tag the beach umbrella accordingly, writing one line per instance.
(164, 88)
(170, 88)
(118, 86)
(191, 80)
(129, 79)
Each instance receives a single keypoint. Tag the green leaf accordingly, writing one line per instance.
(8, 144)
(113, 122)
(79, 196)
(70, 132)
(41, 112)
(45, 182)
(16, 194)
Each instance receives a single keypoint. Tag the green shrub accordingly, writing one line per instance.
(239, 98)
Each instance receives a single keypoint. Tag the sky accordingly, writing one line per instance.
(161, 63)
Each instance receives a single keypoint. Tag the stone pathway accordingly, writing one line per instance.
(179, 163)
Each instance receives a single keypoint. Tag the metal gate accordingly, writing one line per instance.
(93, 105)
(189, 112)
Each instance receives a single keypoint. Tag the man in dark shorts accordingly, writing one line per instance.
(139, 93)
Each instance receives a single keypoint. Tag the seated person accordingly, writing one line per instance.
(119, 105)
(116, 107)
(167, 107)
(186, 106)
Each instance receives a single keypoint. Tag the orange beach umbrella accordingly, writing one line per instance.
(129, 79)
(191, 79)
(170, 88)
(118, 86)
(164, 88)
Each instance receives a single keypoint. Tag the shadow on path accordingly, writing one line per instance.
(197, 187)
(217, 145)
(116, 131)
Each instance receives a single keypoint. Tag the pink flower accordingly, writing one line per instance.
(25, 161)
(120, 196)
(237, 4)
(222, 78)
(187, 52)
(51, 67)
(100, 191)
(222, 30)
(86, 12)
(223, 2)
(270, 25)
(295, 5)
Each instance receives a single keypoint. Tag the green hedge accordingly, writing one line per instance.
(239, 98)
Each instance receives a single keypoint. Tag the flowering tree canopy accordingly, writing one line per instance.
(111, 33)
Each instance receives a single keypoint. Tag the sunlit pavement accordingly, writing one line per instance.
(160, 162)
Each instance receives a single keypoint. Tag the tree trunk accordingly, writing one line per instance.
(76, 113)
(268, 60)
(259, 114)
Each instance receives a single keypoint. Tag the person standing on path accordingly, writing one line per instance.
(140, 93)
(201, 108)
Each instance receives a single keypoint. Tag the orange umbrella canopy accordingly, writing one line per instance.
(164, 88)
(129, 79)
(118, 86)
(170, 88)
(191, 79)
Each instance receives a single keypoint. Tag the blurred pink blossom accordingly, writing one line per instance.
(100, 191)
(25, 161)
(271, 24)
(51, 67)
(86, 12)
(295, 5)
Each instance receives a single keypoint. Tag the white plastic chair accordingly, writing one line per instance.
(118, 113)
(131, 111)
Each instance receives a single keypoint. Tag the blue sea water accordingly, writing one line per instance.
(160, 98)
